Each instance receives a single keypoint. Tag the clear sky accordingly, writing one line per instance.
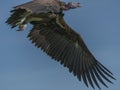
(25, 67)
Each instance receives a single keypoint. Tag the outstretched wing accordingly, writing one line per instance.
(67, 47)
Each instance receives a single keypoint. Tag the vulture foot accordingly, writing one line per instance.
(22, 27)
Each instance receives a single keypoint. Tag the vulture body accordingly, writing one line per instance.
(51, 33)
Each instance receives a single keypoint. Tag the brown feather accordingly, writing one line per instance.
(41, 6)
(67, 47)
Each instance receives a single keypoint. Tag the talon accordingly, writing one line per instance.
(22, 27)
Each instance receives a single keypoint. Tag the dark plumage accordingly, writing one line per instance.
(51, 33)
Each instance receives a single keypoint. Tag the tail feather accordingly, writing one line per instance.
(17, 17)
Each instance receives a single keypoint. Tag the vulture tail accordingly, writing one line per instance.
(17, 17)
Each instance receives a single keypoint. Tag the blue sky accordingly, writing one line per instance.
(25, 67)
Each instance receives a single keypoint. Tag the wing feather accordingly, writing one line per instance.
(67, 47)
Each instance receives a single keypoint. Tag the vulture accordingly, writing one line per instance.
(57, 39)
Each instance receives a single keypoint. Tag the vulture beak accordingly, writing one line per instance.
(70, 5)
(73, 5)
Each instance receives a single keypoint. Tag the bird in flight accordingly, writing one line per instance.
(57, 39)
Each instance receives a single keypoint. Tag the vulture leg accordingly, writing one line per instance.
(36, 18)
(22, 27)
(58, 22)
(29, 19)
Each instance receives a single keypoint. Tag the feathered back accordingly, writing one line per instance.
(41, 6)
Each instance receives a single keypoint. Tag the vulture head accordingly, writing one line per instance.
(71, 5)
